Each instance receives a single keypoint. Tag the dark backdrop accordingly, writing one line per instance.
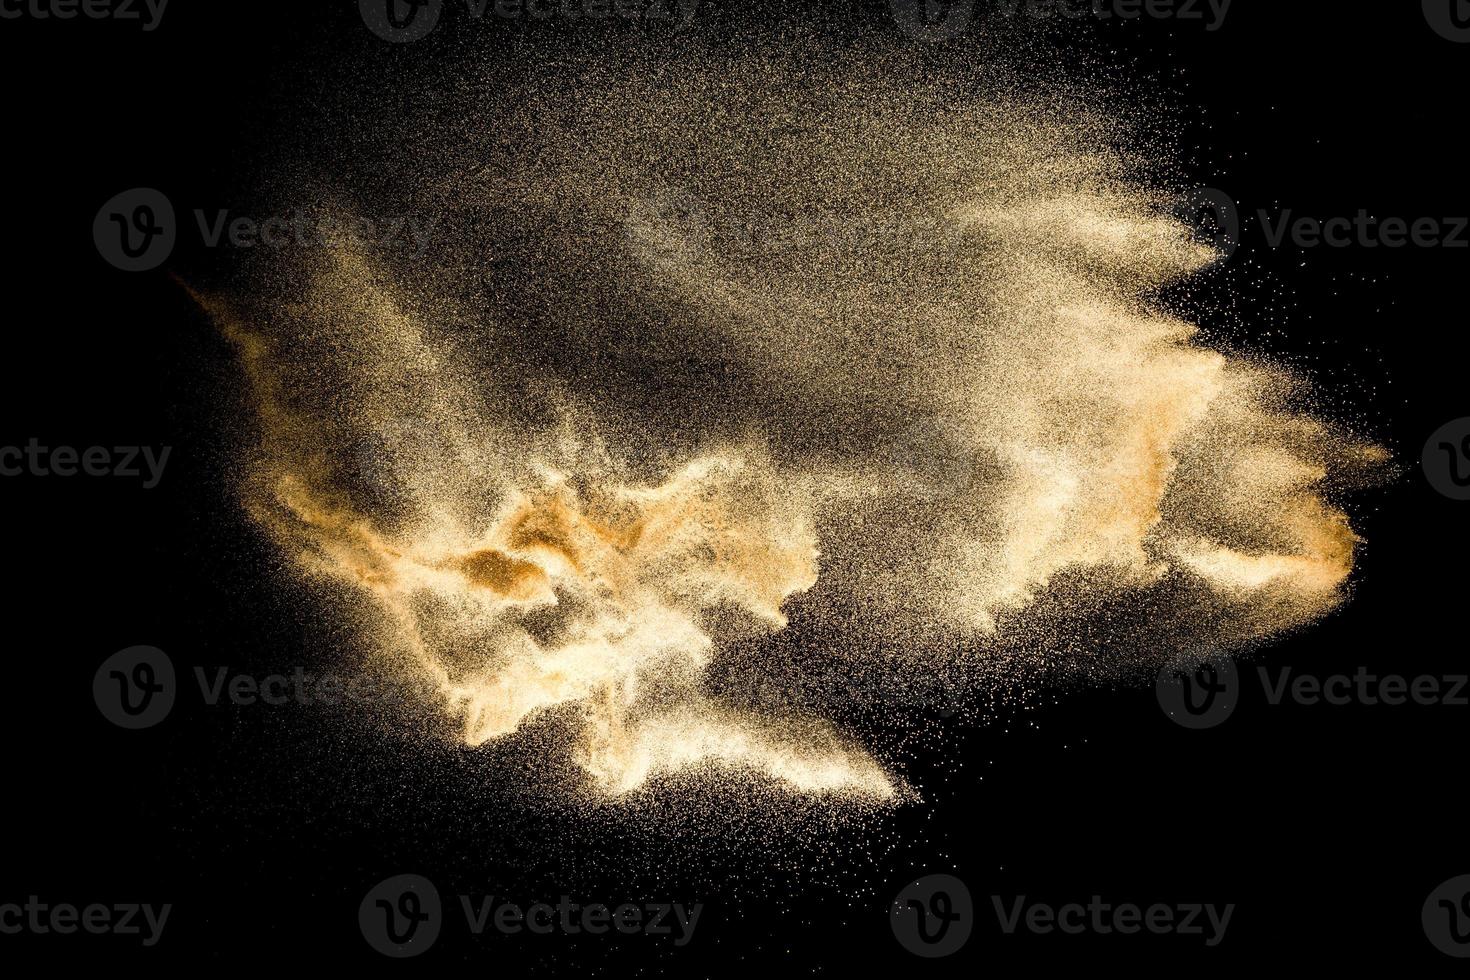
(1326, 826)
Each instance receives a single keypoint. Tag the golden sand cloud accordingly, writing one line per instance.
(874, 347)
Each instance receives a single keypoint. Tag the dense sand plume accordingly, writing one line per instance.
(706, 343)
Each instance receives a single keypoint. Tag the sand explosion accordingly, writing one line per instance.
(702, 346)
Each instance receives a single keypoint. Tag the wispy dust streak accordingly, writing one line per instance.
(630, 571)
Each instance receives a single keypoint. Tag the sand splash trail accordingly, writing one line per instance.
(708, 345)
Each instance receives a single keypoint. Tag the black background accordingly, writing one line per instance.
(1326, 826)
